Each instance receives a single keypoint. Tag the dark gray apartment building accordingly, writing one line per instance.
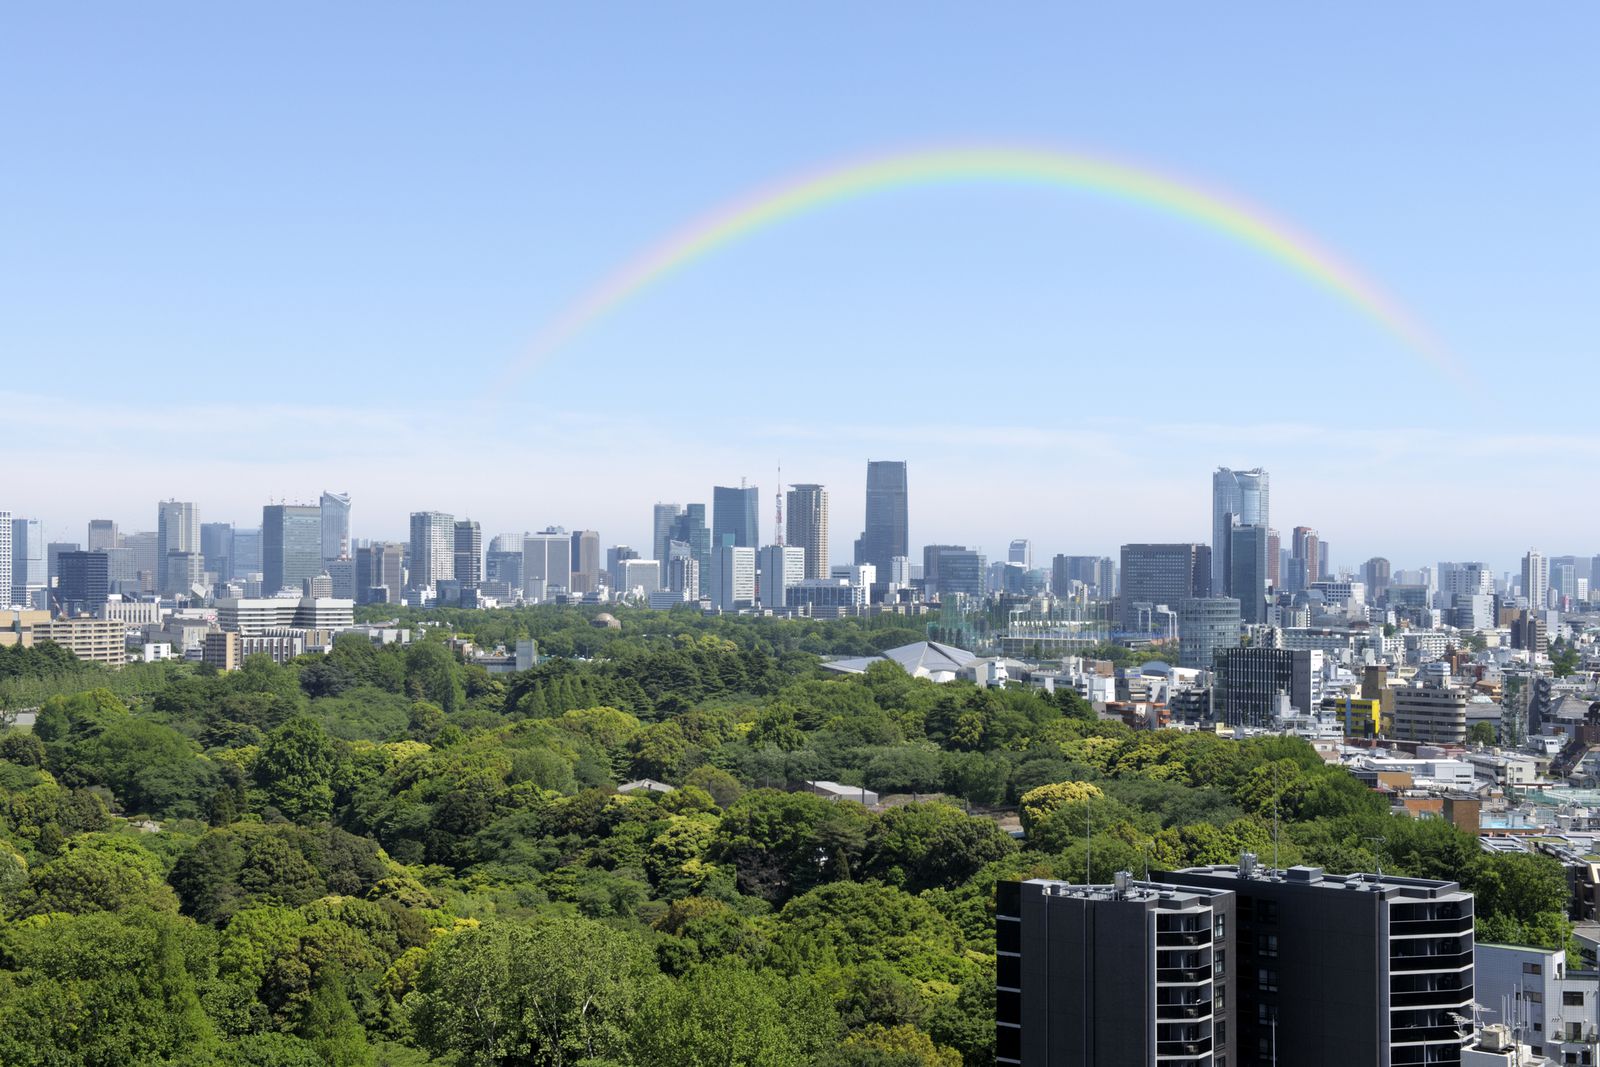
(1299, 969)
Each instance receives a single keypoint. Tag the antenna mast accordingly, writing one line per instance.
(777, 528)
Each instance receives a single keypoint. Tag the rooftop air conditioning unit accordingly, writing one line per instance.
(1495, 1038)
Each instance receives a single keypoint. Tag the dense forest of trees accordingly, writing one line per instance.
(385, 856)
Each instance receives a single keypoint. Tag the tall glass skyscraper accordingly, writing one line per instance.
(734, 518)
(1247, 572)
(690, 528)
(1238, 498)
(291, 546)
(177, 530)
(886, 535)
(335, 525)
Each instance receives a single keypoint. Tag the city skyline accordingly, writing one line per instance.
(846, 513)
(388, 293)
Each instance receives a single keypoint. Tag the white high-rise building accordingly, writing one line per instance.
(433, 548)
(5, 557)
(1238, 498)
(1536, 579)
(782, 567)
(733, 577)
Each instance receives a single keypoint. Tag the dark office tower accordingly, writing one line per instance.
(1238, 498)
(690, 528)
(585, 561)
(1132, 974)
(807, 526)
(216, 548)
(291, 546)
(887, 533)
(734, 516)
(52, 559)
(1274, 559)
(468, 554)
(1247, 572)
(951, 569)
(335, 525)
(177, 530)
(1153, 575)
(85, 581)
(1250, 680)
(102, 536)
(663, 521)
(1376, 574)
(1332, 971)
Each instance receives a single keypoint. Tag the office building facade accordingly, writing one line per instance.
(735, 516)
(689, 529)
(780, 567)
(83, 583)
(335, 525)
(177, 530)
(585, 561)
(30, 572)
(949, 570)
(1434, 714)
(1206, 626)
(1154, 575)
(663, 520)
(246, 552)
(216, 549)
(1249, 681)
(887, 534)
(733, 578)
(468, 555)
(1247, 572)
(291, 546)
(546, 564)
(1238, 498)
(102, 536)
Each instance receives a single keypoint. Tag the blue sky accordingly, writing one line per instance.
(255, 253)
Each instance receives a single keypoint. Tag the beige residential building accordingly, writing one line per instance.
(96, 640)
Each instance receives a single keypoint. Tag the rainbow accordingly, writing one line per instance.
(1179, 198)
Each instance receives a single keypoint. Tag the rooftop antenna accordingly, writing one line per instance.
(1275, 817)
(1378, 857)
(1088, 842)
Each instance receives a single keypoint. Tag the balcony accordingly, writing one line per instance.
(1440, 962)
(1428, 998)
(1182, 975)
(1181, 1012)
(1175, 938)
